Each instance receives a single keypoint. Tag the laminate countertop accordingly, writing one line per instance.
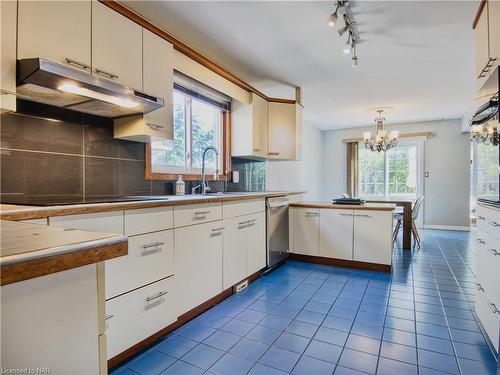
(23, 212)
(32, 250)
(366, 206)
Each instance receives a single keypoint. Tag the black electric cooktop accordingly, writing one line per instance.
(54, 201)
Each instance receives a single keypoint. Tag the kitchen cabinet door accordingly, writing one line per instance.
(494, 31)
(133, 316)
(116, 46)
(306, 231)
(256, 241)
(8, 55)
(285, 131)
(336, 234)
(373, 236)
(109, 222)
(482, 48)
(234, 251)
(59, 31)
(260, 125)
(198, 263)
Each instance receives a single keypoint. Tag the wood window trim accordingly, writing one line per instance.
(226, 159)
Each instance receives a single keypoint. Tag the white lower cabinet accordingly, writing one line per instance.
(110, 222)
(138, 314)
(373, 236)
(336, 234)
(244, 247)
(256, 242)
(52, 322)
(198, 263)
(486, 239)
(150, 258)
(234, 251)
(306, 231)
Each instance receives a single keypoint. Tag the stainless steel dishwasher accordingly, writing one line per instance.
(277, 230)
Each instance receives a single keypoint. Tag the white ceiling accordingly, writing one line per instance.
(416, 57)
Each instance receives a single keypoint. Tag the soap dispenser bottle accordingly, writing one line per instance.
(180, 186)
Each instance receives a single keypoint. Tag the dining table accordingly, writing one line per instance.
(407, 205)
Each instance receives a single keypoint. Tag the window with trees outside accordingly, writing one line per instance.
(196, 125)
(392, 175)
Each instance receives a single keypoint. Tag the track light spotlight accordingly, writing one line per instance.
(348, 46)
(332, 20)
(355, 61)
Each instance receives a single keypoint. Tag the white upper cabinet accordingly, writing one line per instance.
(8, 55)
(158, 70)
(249, 130)
(285, 131)
(55, 30)
(116, 46)
(494, 31)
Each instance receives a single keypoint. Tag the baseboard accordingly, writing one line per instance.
(341, 263)
(448, 227)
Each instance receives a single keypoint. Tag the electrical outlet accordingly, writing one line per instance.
(236, 177)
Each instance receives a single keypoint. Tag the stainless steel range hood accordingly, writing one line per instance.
(44, 81)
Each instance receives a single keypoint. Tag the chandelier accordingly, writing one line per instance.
(382, 141)
(486, 133)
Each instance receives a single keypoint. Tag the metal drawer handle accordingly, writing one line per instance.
(273, 153)
(77, 63)
(480, 241)
(479, 287)
(494, 252)
(199, 213)
(104, 73)
(360, 215)
(109, 317)
(251, 221)
(218, 229)
(155, 126)
(480, 217)
(347, 215)
(308, 213)
(494, 223)
(257, 149)
(242, 224)
(154, 244)
(156, 296)
(493, 308)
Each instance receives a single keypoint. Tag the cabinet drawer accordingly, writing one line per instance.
(110, 222)
(200, 213)
(148, 220)
(488, 219)
(136, 315)
(490, 319)
(233, 209)
(150, 258)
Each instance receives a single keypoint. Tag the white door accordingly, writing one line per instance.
(373, 236)
(59, 31)
(336, 234)
(116, 46)
(256, 241)
(198, 263)
(306, 231)
(234, 251)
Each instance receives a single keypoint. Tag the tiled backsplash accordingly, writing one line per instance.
(55, 154)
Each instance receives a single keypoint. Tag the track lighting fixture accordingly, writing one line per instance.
(349, 26)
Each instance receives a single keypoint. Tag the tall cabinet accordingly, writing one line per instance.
(285, 131)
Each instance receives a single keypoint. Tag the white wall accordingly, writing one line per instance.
(446, 158)
(304, 174)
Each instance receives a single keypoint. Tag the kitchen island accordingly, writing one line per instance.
(357, 236)
(52, 289)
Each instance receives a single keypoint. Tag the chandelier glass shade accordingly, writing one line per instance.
(486, 133)
(382, 140)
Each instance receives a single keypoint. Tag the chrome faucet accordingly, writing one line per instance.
(204, 184)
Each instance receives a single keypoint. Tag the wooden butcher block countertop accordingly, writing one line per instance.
(32, 250)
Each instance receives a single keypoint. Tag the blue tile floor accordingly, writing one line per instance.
(314, 319)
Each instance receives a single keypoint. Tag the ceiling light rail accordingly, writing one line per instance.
(343, 11)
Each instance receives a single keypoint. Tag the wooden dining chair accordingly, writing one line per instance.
(398, 216)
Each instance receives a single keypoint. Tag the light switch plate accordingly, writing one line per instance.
(236, 177)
